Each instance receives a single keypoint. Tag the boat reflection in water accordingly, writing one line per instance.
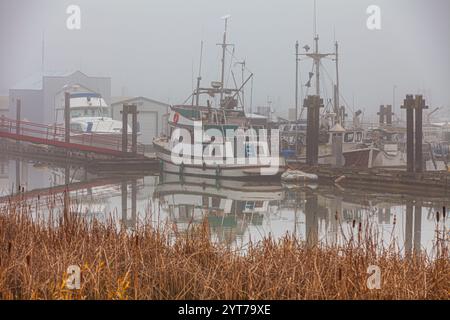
(229, 206)
(237, 211)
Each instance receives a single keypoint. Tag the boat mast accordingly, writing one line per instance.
(199, 78)
(316, 51)
(224, 49)
(336, 89)
(317, 63)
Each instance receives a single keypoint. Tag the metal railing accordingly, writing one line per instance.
(50, 134)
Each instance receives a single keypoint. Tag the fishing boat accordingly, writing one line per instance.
(357, 150)
(213, 137)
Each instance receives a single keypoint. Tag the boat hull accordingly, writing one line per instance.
(226, 171)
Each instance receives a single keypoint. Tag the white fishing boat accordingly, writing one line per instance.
(217, 139)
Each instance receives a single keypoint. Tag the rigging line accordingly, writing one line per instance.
(238, 59)
(235, 84)
(190, 96)
(324, 88)
(340, 94)
(231, 66)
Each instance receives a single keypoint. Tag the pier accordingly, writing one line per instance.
(60, 144)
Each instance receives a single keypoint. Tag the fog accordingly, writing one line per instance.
(151, 47)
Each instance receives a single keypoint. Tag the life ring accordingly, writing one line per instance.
(176, 117)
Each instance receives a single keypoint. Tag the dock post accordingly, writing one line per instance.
(67, 117)
(124, 191)
(408, 104)
(409, 227)
(417, 227)
(419, 106)
(18, 115)
(134, 113)
(337, 136)
(313, 105)
(132, 223)
(18, 187)
(311, 220)
(18, 120)
(388, 114)
(381, 115)
(124, 128)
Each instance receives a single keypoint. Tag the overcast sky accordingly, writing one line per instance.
(150, 47)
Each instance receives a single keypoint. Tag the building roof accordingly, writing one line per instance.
(35, 81)
(123, 100)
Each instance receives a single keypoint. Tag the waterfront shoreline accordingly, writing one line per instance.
(162, 263)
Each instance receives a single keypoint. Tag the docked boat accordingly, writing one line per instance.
(89, 113)
(213, 137)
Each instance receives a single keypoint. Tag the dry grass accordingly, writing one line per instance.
(151, 264)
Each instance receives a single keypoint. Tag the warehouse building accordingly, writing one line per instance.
(42, 94)
(152, 117)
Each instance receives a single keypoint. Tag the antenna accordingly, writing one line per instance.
(315, 18)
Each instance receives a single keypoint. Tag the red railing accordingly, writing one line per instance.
(54, 135)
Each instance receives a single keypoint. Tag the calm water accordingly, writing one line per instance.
(237, 211)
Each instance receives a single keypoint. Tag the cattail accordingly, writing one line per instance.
(9, 248)
(444, 212)
(28, 258)
(354, 223)
(437, 216)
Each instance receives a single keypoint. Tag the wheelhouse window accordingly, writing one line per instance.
(359, 136)
(349, 137)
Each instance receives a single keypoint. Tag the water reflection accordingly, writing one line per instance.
(237, 211)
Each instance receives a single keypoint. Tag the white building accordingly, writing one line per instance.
(42, 94)
(152, 117)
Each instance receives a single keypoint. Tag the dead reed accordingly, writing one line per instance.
(150, 263)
